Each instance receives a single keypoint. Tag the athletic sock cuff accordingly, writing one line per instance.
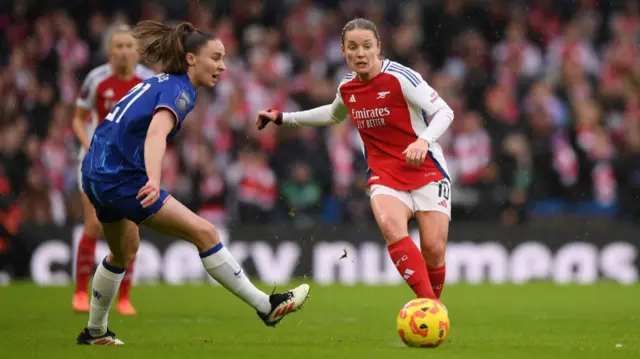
(400, 243)
(442, 268)
(219, 255)
(110, 272)
(111, 268)
(211, 250)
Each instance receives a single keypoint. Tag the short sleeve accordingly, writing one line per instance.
(177, 100)
(87, 96)
(416, 90)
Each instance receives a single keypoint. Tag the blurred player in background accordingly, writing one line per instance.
(122, 169)
(407, 176)
(102, 88)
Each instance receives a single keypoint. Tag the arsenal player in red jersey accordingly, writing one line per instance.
(101, 89)
(399, 118)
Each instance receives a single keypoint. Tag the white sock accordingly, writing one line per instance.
(106, 282)
(221, 265)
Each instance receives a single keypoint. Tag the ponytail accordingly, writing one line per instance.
(169, 45)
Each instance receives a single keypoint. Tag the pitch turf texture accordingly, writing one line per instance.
(533, 321)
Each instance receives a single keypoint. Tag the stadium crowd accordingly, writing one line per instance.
(546, 96)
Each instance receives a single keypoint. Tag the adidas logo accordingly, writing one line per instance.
(352, 99)
(407, 274)
(443, 203)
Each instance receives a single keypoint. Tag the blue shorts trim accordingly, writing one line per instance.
(115, 203)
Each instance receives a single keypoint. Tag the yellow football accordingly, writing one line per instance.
(423, 323)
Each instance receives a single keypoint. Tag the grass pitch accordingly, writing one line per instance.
(532, 321)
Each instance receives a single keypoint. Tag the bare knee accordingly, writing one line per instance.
(434, 230)
(206, 236)
(393, 229)
(433, 251)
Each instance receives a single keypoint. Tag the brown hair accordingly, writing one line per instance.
(360, 23)
(170, 44)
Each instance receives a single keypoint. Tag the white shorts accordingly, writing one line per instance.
(435, 196)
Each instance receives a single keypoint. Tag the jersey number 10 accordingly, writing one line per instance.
(138, 89)
(444, 189)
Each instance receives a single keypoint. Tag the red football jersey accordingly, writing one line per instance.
(102, 89)
(390, 112)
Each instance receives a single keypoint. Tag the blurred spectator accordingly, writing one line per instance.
(14, 160)
(546, 96)
(74, 55)
(303, 144)
(210, 189)
(357, 207)
(502, 114)
(516, 58)
(516, 167)
(627, 172)
(544, 21)
(38, 109)
(97, 32)
(301, 194)
(37, 198)
(574, 45)
(472, 148)
(254, 184)
(10, 220)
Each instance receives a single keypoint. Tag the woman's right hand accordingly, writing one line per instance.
(266, 116)
(149, 194)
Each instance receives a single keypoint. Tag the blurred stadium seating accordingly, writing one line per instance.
(546, 96)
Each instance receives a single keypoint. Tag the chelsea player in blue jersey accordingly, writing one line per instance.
(121, 176)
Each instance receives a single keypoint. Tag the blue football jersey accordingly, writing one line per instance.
(117, 148)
